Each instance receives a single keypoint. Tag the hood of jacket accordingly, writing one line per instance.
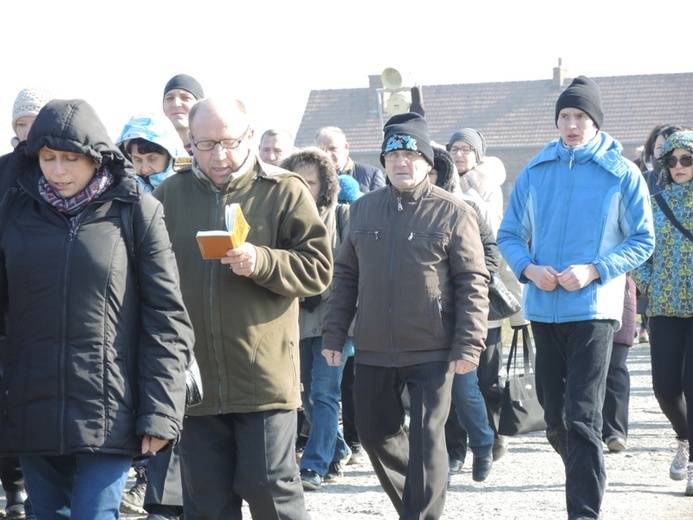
(157, 129)
(73, 126)
(603, 150)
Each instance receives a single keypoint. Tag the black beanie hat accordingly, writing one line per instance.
(407, 132)
(583, 94)
(185, 82)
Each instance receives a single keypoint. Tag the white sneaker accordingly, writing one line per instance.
(689, 485)
(678, 468)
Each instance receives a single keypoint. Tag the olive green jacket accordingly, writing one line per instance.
(246, 328)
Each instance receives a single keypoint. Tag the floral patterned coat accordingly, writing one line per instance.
(667, 277)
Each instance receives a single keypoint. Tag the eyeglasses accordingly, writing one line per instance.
(407, 155)
(464, 151)
(685, 160)
(226, 144)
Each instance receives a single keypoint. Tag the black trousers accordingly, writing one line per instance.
(615, 411)
(164, 481)
(671, 351)
(228, 458)
(351, 435)
(11, 474)
(413, 468)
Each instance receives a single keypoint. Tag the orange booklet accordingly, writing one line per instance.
(214, 244)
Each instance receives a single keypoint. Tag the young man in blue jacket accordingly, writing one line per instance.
(579, 219)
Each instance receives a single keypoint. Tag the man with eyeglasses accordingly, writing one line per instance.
(579, 219)
(239, 442)
(414, 262)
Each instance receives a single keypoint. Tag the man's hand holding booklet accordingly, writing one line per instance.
(214, 244)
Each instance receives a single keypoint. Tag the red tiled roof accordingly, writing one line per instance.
(514, 114)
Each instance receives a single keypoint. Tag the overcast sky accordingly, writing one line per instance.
(271, 54)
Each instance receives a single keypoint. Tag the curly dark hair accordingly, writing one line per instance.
(314, 156)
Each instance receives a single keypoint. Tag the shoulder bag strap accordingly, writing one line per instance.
(670, 215)
(512, 354)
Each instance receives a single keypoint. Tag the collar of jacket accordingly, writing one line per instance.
(348, 167)
(235, 179)
(411, 196)
(256, 170)
(603, 150)
(679, 193)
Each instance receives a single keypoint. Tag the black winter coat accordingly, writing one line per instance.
(96, 347)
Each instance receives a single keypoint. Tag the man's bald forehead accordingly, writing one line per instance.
(228, 110)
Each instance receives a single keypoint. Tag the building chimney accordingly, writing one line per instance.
(375, 81)
(559, 74)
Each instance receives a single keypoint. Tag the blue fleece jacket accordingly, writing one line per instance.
(574, 206)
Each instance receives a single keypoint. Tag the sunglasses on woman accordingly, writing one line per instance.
(685, 160)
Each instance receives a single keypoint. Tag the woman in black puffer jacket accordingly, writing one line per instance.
(98, 338)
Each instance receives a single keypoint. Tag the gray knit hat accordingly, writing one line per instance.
(473, 138)
(29, 102)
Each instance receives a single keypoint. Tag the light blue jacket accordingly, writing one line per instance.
(574, 206)
(157, 129)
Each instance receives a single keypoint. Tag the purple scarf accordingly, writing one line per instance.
(73, 206)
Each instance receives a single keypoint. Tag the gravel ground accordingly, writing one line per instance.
(527, 484)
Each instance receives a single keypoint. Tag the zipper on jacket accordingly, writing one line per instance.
(571, 155)
(374, 233)
(212, 285)
(390, 280)
(62, 341)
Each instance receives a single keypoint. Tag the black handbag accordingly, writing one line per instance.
(520, 409)
(193, 384)
(501, 302)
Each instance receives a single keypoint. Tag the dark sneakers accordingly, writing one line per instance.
(616, 443)
(500, 447)
(358, 454)
(15, 504)
(455, 465)
(133, 499)
(310, 480)
(481, 467)
(163, 512)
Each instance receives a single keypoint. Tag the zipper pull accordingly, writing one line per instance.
(399, 204)
(376, 235)
(411, 236)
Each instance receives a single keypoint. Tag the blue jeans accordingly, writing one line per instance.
(320, 395)
(471, 412)
(80, 487)
(571, 370)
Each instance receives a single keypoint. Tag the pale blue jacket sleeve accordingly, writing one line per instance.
(515, 231)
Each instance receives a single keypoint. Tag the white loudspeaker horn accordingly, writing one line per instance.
(398, 103)
(392, 78)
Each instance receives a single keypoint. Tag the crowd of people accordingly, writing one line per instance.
(352, 322)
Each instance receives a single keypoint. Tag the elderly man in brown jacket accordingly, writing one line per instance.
(414, 261)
